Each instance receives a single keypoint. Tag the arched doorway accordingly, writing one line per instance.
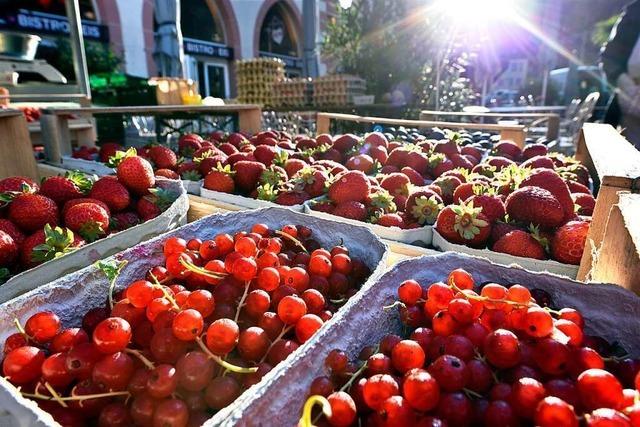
(208, 45)
(280, 34)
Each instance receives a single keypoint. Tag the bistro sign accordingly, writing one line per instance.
(199, 47)
(46, 23)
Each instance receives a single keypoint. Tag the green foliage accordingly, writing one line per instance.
(100, 58)
(602, 30)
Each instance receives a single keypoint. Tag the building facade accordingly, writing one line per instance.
(215, 33)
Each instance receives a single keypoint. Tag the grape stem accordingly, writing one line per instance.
(305, 420)
(278, 338)
(241, 303)
(394, 305)
(165, 293)
(80, 398)
(149, 364)
(202, 271)
(20, 328)
(452, 285)
(222, 362)
(55, 395)
(295, 241)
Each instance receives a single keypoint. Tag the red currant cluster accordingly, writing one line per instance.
(496, 357)
(184, 342)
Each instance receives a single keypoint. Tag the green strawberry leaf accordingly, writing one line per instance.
(191, 176)
(163, 198)
(82, 181)
(57, 242)
(267, 192)
(112, 270)
(117, 158)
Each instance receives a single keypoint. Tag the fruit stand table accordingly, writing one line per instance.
(16, 154)
(515, 133)
(552, 119)
(55, 121)
(615, 167)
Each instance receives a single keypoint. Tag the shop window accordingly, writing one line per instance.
(200, 22)
(277, 34)
(55, 7)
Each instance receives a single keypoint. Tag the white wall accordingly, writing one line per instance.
(135, 57)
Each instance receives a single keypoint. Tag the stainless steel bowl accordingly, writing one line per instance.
(19, 45)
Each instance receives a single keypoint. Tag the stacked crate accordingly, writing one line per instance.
(293, 92)
(339, 89)
(256, 78)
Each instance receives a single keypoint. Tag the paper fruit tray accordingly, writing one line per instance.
(610, 312)
(170, 219)
(531, 264)
(86, 166)
(244, 202)
(71, 296)
(192, 187)
(417, 236)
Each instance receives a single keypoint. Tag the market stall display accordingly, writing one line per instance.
(256, 79)
(338, 89)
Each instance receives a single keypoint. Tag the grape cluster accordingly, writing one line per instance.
(185, 341)
(479, 355)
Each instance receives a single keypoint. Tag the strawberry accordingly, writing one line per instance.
(134, 172)
(389, 169)
(228, 149)
(470, 150)
(324, 206)
(90, 220)
(351, 209)
(396, 183)
(291, 198)
(166, 173)
(535, 205)
(457, 173)
(109, 190)
(123, 221)
(152, 205)
(185, 167)
(500, 228)
(567, 244)
(345, 143)
(324, 139)
(508, 149)
(417, 161)
(8, 250)
(189, 143)
(108, 150)
(448, 185)
(350, 186)
(576, 187)
(553, 183)
(446, 147)
(379, 154)
(17, 184)
(217, 135)
(63, 188)
(460, 161)
(381, 201)
(484, 169)
(291, 166)
(520, 243)
(207, 164)
(313, 181)
(398, 157)
(163, 157)
(360, 162)
(12, 230)
(332, 154)
(32, 211)
(464, 224)
(499, 162)
(220, 179)
(438, 164)
(423, 206)
(465, 190)
(274, 175)
(389, 220)
(74, 202)
(47, 244)
(237, 139)
(306, 144)
(265, 154)
(248, 174)
(538, 162)
(533, 150)
(585, 203)
(413, 175)
(376, 139)
(492, 206)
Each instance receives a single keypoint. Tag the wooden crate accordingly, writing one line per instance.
(615, 167)
(515, 133)
(16, 153)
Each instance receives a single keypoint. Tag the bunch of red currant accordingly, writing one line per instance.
(493, 356)
(184, 342)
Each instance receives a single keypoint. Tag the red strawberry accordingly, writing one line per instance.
(167, 173)
(208, 163)
(306, 144)
(438, 164)
(463, 162)
(538, 162)
(470, 150)
(389, 169)
(72, 203)
(228, 149)
(351, 209)
(500, 228)
(466, 190)
(576, 187)
(396, 183)
(390, 220)
(294, 165)
(350, 186)
(535, 205)
(313, 181)
(152, 205)
(325, 206)
(189, 143)
(248, 175)
(553, 183)
(135, 173)
(499, 162)
(492, 206)
(508, 149)
(345, 143)
(567, 244)
(458, 173)
(265, 154)
(413, 175)
(324, 139)
(163, 157)
(332, 154)
(47, 244)
(291, 198)
(398, 157)
(464, 224)
(520, 243)
(586, 203)
(12, 230)
(32, 211)
(379, 153)
(110, 191)
(360, 162)
(533, 150)
(423, 206)
(186, 167)
(417, 161)
(447, 147)
(108, 150)
(63, 188)
(90, 220)
(8, 250)
(448, 185)
(16, 183)
(376, 139)
(221, 180)
(237, 139)
(123, 221)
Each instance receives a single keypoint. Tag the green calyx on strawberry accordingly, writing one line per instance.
(162, 198)
(425, 210)
(281, 158)
(83, 181)
(191, 176)
(511, 177)
(535, 233)
(273, 176)
(267, 192)
(382, 201)
(468, 222)
(58, 241)
(435, 159)
(8, 196)
(5, 275)
(117, 158)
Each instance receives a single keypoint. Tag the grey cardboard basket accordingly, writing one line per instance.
(71, 296)
(611, 312)
(170, 219)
